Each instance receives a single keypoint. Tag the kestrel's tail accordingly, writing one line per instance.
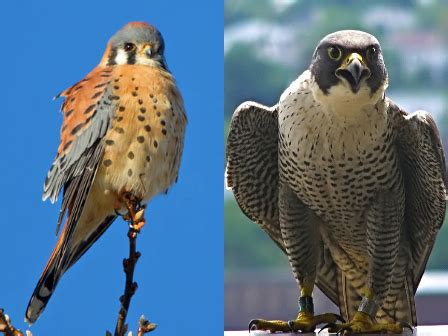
(60, 261)
(47, 282)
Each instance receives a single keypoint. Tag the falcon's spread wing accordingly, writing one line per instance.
(252, 174)
(425, 178)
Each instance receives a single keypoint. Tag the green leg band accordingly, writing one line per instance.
(306, 305)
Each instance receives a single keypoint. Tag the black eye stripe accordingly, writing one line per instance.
(132, 55)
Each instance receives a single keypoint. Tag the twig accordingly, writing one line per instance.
(145, 326)
(6, 326)
(131, 286)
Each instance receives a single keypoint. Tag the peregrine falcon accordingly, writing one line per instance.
(346, 183)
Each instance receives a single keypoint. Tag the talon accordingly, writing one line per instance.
(291, 324)
(328, 325)
(138, 226)
(253, 325)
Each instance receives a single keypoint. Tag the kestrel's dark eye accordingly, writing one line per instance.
(129, 46)
(334, 53)
(371, 53)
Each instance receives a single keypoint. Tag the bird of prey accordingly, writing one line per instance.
(121, 144)
(347, 184)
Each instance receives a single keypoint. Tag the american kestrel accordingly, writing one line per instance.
(121, 144)
(349, 186)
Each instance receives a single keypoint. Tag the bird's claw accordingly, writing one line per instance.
(304, 323)
(253, 325)
(273, 326)
(135, 214)
(345, 331)
(363, 324)
(328, 326)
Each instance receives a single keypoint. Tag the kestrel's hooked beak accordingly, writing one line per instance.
(353, 70)
(146, 50)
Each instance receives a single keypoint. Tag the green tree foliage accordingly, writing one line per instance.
(247, 77)
(246, 246)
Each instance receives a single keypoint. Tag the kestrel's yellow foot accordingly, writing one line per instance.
(136, 211)
(305, 322)
(363, 324)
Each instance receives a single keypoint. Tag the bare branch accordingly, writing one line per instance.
(131, 286)
(135, 216)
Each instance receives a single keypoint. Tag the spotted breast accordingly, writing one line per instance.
(143, 146)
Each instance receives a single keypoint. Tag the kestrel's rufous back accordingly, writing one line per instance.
(121, 143)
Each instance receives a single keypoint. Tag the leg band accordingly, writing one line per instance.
(368, 306)
(306, 304)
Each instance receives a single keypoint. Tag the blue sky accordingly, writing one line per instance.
(48, 46)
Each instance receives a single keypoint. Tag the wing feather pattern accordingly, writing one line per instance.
(252, 175)
(86, 119)
(423, 165)
(88, 110)
(252, 165)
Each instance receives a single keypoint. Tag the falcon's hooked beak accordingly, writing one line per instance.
(353, 70)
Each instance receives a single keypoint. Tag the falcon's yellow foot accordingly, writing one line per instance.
(363, 324)
(305, 322)
(272, 326)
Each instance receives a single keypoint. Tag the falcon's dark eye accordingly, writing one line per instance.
(371, 53)
(334, 53)
(129, 46)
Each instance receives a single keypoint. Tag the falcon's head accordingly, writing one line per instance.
(136, 43)
(349, 63)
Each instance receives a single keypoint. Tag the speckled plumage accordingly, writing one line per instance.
(336, 178)
(122, 132)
